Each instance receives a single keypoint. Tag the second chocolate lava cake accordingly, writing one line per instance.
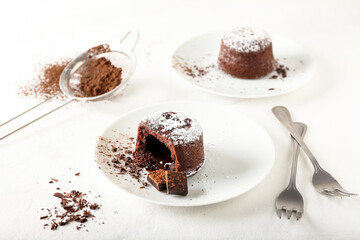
(246, 52)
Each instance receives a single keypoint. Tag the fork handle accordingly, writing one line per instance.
(301, 129)
(283, 115)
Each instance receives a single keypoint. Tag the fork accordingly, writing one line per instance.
(290, 199)
(323, 182)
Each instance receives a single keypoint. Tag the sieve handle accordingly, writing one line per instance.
(32, 121)
(131, 32)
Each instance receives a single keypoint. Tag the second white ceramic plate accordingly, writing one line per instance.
(202, 51)
(239, 154)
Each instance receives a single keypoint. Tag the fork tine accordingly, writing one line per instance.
(298, 215)
(346, 193)
(278, 212)
(288, 213)
(329, 193)
(336, 193)
(340, 194)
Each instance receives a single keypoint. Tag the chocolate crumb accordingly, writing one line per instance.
(281, 70)
(77, 174)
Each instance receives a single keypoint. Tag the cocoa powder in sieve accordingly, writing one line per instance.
(104, 48)
(46, 84)
(98, 76)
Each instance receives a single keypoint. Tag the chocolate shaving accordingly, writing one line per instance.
(54, 226)
(74, 209)
(121, 161)
(59, 195)
(94, 206)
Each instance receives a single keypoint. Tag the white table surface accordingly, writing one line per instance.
(62, 144)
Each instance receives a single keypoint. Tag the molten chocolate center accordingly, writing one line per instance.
(160, 154)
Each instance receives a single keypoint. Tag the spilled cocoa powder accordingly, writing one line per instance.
(46, 84)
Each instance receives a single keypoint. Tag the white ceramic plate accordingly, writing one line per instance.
(203, 51)
(239, 154)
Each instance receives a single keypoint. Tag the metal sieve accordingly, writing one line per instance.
(123, 57)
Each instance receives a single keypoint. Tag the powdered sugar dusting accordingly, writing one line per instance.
(178, 127)
(246, 39)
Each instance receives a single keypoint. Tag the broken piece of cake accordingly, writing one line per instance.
(157, 179)
(173, 182)
(176, 183)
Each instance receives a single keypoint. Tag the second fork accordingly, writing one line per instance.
(290, 199)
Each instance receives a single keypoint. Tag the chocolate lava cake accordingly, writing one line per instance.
(170, 141)
(246, 52)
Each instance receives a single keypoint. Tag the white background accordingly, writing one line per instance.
(62, 144)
